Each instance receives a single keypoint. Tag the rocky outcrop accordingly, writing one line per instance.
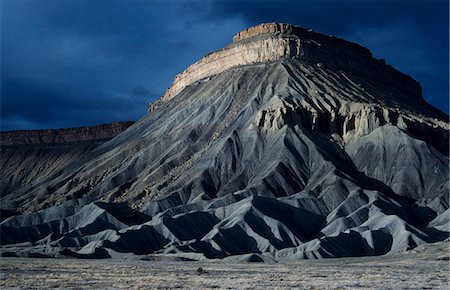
(265, 28)
(237, 54)
(60, 136)
(271, 41)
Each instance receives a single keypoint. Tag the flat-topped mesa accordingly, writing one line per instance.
(274, 41)
(63, 136)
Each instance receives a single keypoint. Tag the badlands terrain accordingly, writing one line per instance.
(285, 145)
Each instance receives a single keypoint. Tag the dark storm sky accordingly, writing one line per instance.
(76, 63)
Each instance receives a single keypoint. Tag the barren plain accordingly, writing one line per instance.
(425, 267)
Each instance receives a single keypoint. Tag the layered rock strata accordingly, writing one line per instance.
(271, 41)
(60, 136)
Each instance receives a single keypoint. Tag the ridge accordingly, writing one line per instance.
(65, 135)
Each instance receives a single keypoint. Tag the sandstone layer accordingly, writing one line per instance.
(272, 42)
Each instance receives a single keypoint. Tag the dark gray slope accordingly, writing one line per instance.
(29, 158)
(24, 166)
(410, 167)
(287, 158)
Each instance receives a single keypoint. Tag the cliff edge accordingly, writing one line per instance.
(269, 42)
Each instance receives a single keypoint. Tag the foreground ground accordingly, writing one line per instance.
(423, 268)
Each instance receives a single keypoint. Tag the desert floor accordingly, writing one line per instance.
(426, 267)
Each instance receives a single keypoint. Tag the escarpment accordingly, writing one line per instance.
(271, 42)
(61, 136)
(236, 54)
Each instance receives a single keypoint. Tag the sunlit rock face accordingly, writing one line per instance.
(287, 143)
(272, 42)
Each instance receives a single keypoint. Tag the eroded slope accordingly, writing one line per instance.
(287, 159)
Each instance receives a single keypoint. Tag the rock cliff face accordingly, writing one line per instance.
(60, 136)
(270, 42)
(287, 143)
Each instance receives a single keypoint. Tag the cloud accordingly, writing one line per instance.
(64, 60)
(412, 50)
(75, 63)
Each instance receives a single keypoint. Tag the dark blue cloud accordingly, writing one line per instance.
(75, 63)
